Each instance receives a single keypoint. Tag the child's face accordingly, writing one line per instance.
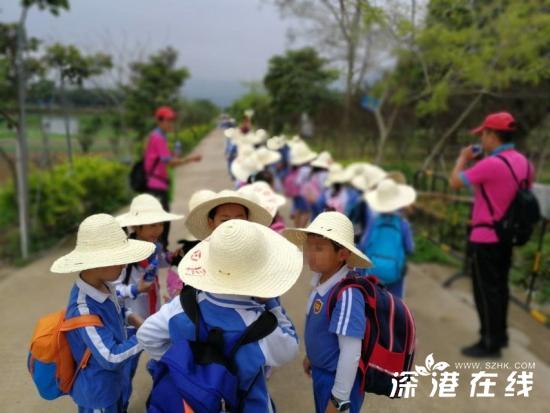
(111, 273)
(321, 255)
(150, 232)
(226, 212)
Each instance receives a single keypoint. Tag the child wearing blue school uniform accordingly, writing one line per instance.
(102, 250)
(389, 237)
(276, 266)
(333, 344)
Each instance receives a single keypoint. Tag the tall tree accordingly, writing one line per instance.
(297, 82)
(74, 68)
(155, 82)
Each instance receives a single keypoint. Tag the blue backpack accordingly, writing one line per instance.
(200, 376)
(385, 248)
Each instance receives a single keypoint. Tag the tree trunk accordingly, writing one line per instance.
(440, 145)
(22, 150)
(66, 121)
(46, 158)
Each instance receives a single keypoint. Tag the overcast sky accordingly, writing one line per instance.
(222, 42)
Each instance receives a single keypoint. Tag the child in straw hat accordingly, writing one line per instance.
(102, 250)
(224, 206)
(333, 345)
(227, 273)
(269, 200)
(388, 238)
(315, 186)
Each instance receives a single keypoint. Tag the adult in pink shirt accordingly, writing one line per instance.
(158, 158)
(490, 258)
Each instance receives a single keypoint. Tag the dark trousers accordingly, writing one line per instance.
(162, 196)
(490, 265)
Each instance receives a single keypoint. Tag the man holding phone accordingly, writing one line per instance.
(494, 182)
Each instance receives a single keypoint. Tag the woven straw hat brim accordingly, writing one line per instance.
(242, 173)
(197, 220)
(145, 218)
(76, 261)
(272, 158)
(269, 278)
(306, 158)
(320, 163)
(298, 236)
(405, 197)
(276, 144)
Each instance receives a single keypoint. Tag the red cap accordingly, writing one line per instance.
(501, 121)
(165, 112)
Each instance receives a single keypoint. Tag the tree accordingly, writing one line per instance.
(88, 133)
(73, 68)
(255, 98)
(344, 31)
(297, 82)
(54, 7)
(153, 83)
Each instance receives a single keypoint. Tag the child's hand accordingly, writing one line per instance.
(307, 367)
(144, 286)
(135, 320)
(331, 408)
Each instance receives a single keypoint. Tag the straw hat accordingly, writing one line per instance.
(324, 160)
(337, 174)
(145, 209)
(277, 142)
(255, 138)
(242, 258)
(101, 242)
(199, 197)
(300, 153)
(372, 175)
(268, 157)
(246, 163)
(336, 227)
(269, 199)
(197, 220)
(389, 196)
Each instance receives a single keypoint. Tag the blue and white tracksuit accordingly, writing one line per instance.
(100, 386)
(322, 338)
(232, 314)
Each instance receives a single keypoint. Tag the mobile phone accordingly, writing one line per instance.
(477, 150)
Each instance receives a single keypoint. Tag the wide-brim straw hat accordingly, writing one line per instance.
(200, 196)
(246, 165)
(390, 197)
(336, 227)
(337, 174)
(242, 258)
(300, 154)
(269, 199)
(197, 220)
(145, 209)
(324, 160)
(372, 175)
(101, 242)
(276, 142)
(267, 156)
(256, 138)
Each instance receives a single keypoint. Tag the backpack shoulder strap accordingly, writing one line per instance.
(85, 320)
(503, 159)
(352, 280)
(188, 300)
(263, 326)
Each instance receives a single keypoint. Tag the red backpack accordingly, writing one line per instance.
(389, 340)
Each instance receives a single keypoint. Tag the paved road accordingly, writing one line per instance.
(445, 321)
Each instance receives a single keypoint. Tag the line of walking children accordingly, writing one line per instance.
(223, 327)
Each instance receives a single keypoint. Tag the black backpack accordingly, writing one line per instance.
(138, 175)
(518, 222)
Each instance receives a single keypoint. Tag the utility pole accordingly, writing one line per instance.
(22, 150)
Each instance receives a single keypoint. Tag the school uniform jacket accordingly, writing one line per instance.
(101, 383)
(232, 314)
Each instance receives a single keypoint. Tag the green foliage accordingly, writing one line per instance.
(427, 251)
(60, 199)
(88, 132)
(256, 98)
(190, 137)
(196, 112)
(297, 82)
(156, 82)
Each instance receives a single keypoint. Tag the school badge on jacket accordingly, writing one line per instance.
(317, 306)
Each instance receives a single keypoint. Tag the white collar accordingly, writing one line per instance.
(324, 288)
(230, 301)
(93, 292)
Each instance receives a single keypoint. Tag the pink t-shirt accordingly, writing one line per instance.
(157, 148)
(500, 187)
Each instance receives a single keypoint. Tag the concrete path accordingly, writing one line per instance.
(445, 319)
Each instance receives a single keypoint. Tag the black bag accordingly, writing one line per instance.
(138, 175)
(518, 222)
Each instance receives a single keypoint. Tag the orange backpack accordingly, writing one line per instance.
(50, 360)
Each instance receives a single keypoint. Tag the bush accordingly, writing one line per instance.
(59, 199)
(190, 137)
